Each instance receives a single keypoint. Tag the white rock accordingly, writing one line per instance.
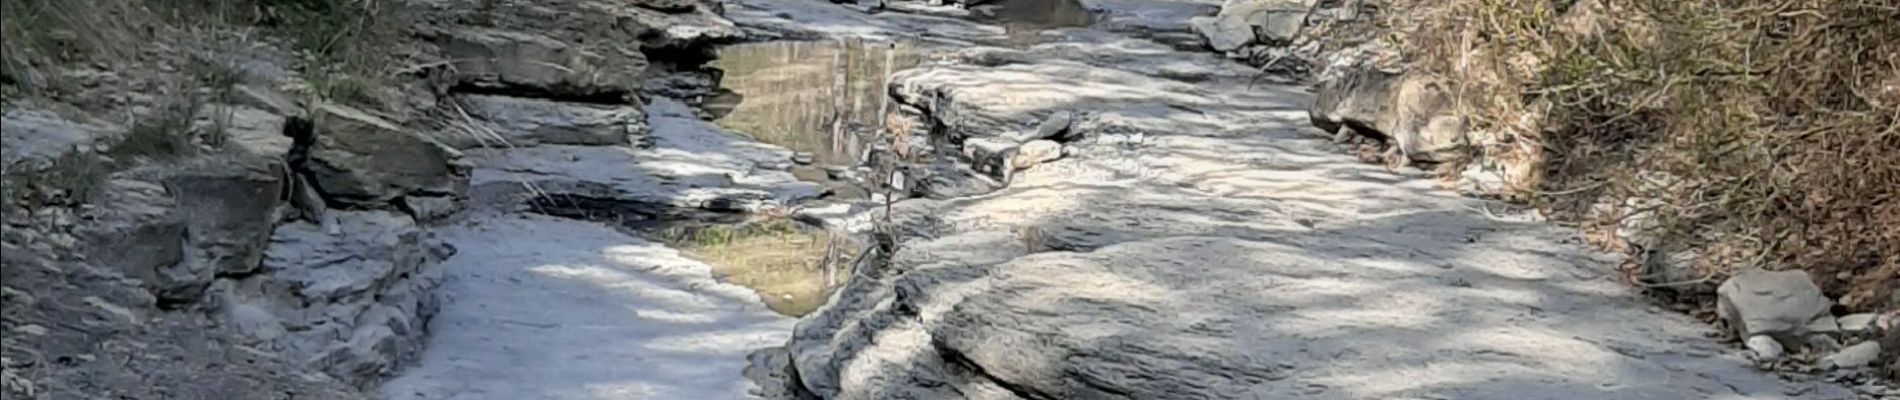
(1855, 356)
(1857, 322)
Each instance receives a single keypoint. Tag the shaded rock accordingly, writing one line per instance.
(1785, 305)
(1408, 110)
(1243, 22)
(945, 180)
(362, 160)
(230, 208)
(502, 60)
(528, 122)
(352, 305)
(137, 231)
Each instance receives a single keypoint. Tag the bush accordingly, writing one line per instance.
(1755, 132)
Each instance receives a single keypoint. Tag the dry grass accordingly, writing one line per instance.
(784, 264)
(1757, 132)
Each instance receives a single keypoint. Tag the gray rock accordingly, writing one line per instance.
(803, 158)
(1857, 323)
(1244, 22)
(230, 207)
(1410, 111)
(1058, 127)
(991, 155)
(1765, 348)
(535, 63)
(1856, 356)
(1785, 305)
(428, 209)
(256, 132)
(39, 136)
(352, 305)
(528, 122)
(138, 231)
(363, 160)
(946, 180)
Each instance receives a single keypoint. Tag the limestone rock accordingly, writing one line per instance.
(33, 135)
(230, 207)
(1857, 323)
(1409, 110)
(256, 132)
(1243, 22)
(1035, 153)
(528, 122)
(1766, 349)
(363, 160)
(138, 232)
(1783, 304)
(1856, 356)
(527, 62)
(352, 305)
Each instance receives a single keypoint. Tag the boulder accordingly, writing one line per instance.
(352, 305)
(137, 230)
(362, 160)
(528, 122)
(1243, 22)
(230, 207)
(501, 60)
(1409, 110)
(1785, 305)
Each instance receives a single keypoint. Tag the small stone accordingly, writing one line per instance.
(1766, 349)
(1856, 323)
(803, 158)
(1855, 356)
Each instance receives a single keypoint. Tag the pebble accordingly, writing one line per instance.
(803, 158)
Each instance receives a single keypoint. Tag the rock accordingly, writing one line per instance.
(256, 132)
(945, 180)
(1411, 111)
(529, 122)
(352, 305)
(803, 158)
(1785, 305)
(991, 155)
(1766, 349)
(230, 207)
(502, 60)
(1035, 153)
(39, 136)
(1243, 22)
(1856, 356)
(1857, 323)
(1058, 127)
(359, 159)
(428, 209)
(138, 231)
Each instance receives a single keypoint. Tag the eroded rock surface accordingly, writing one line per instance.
(1199, 242)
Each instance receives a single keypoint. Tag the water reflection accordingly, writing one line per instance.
(807, 95)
